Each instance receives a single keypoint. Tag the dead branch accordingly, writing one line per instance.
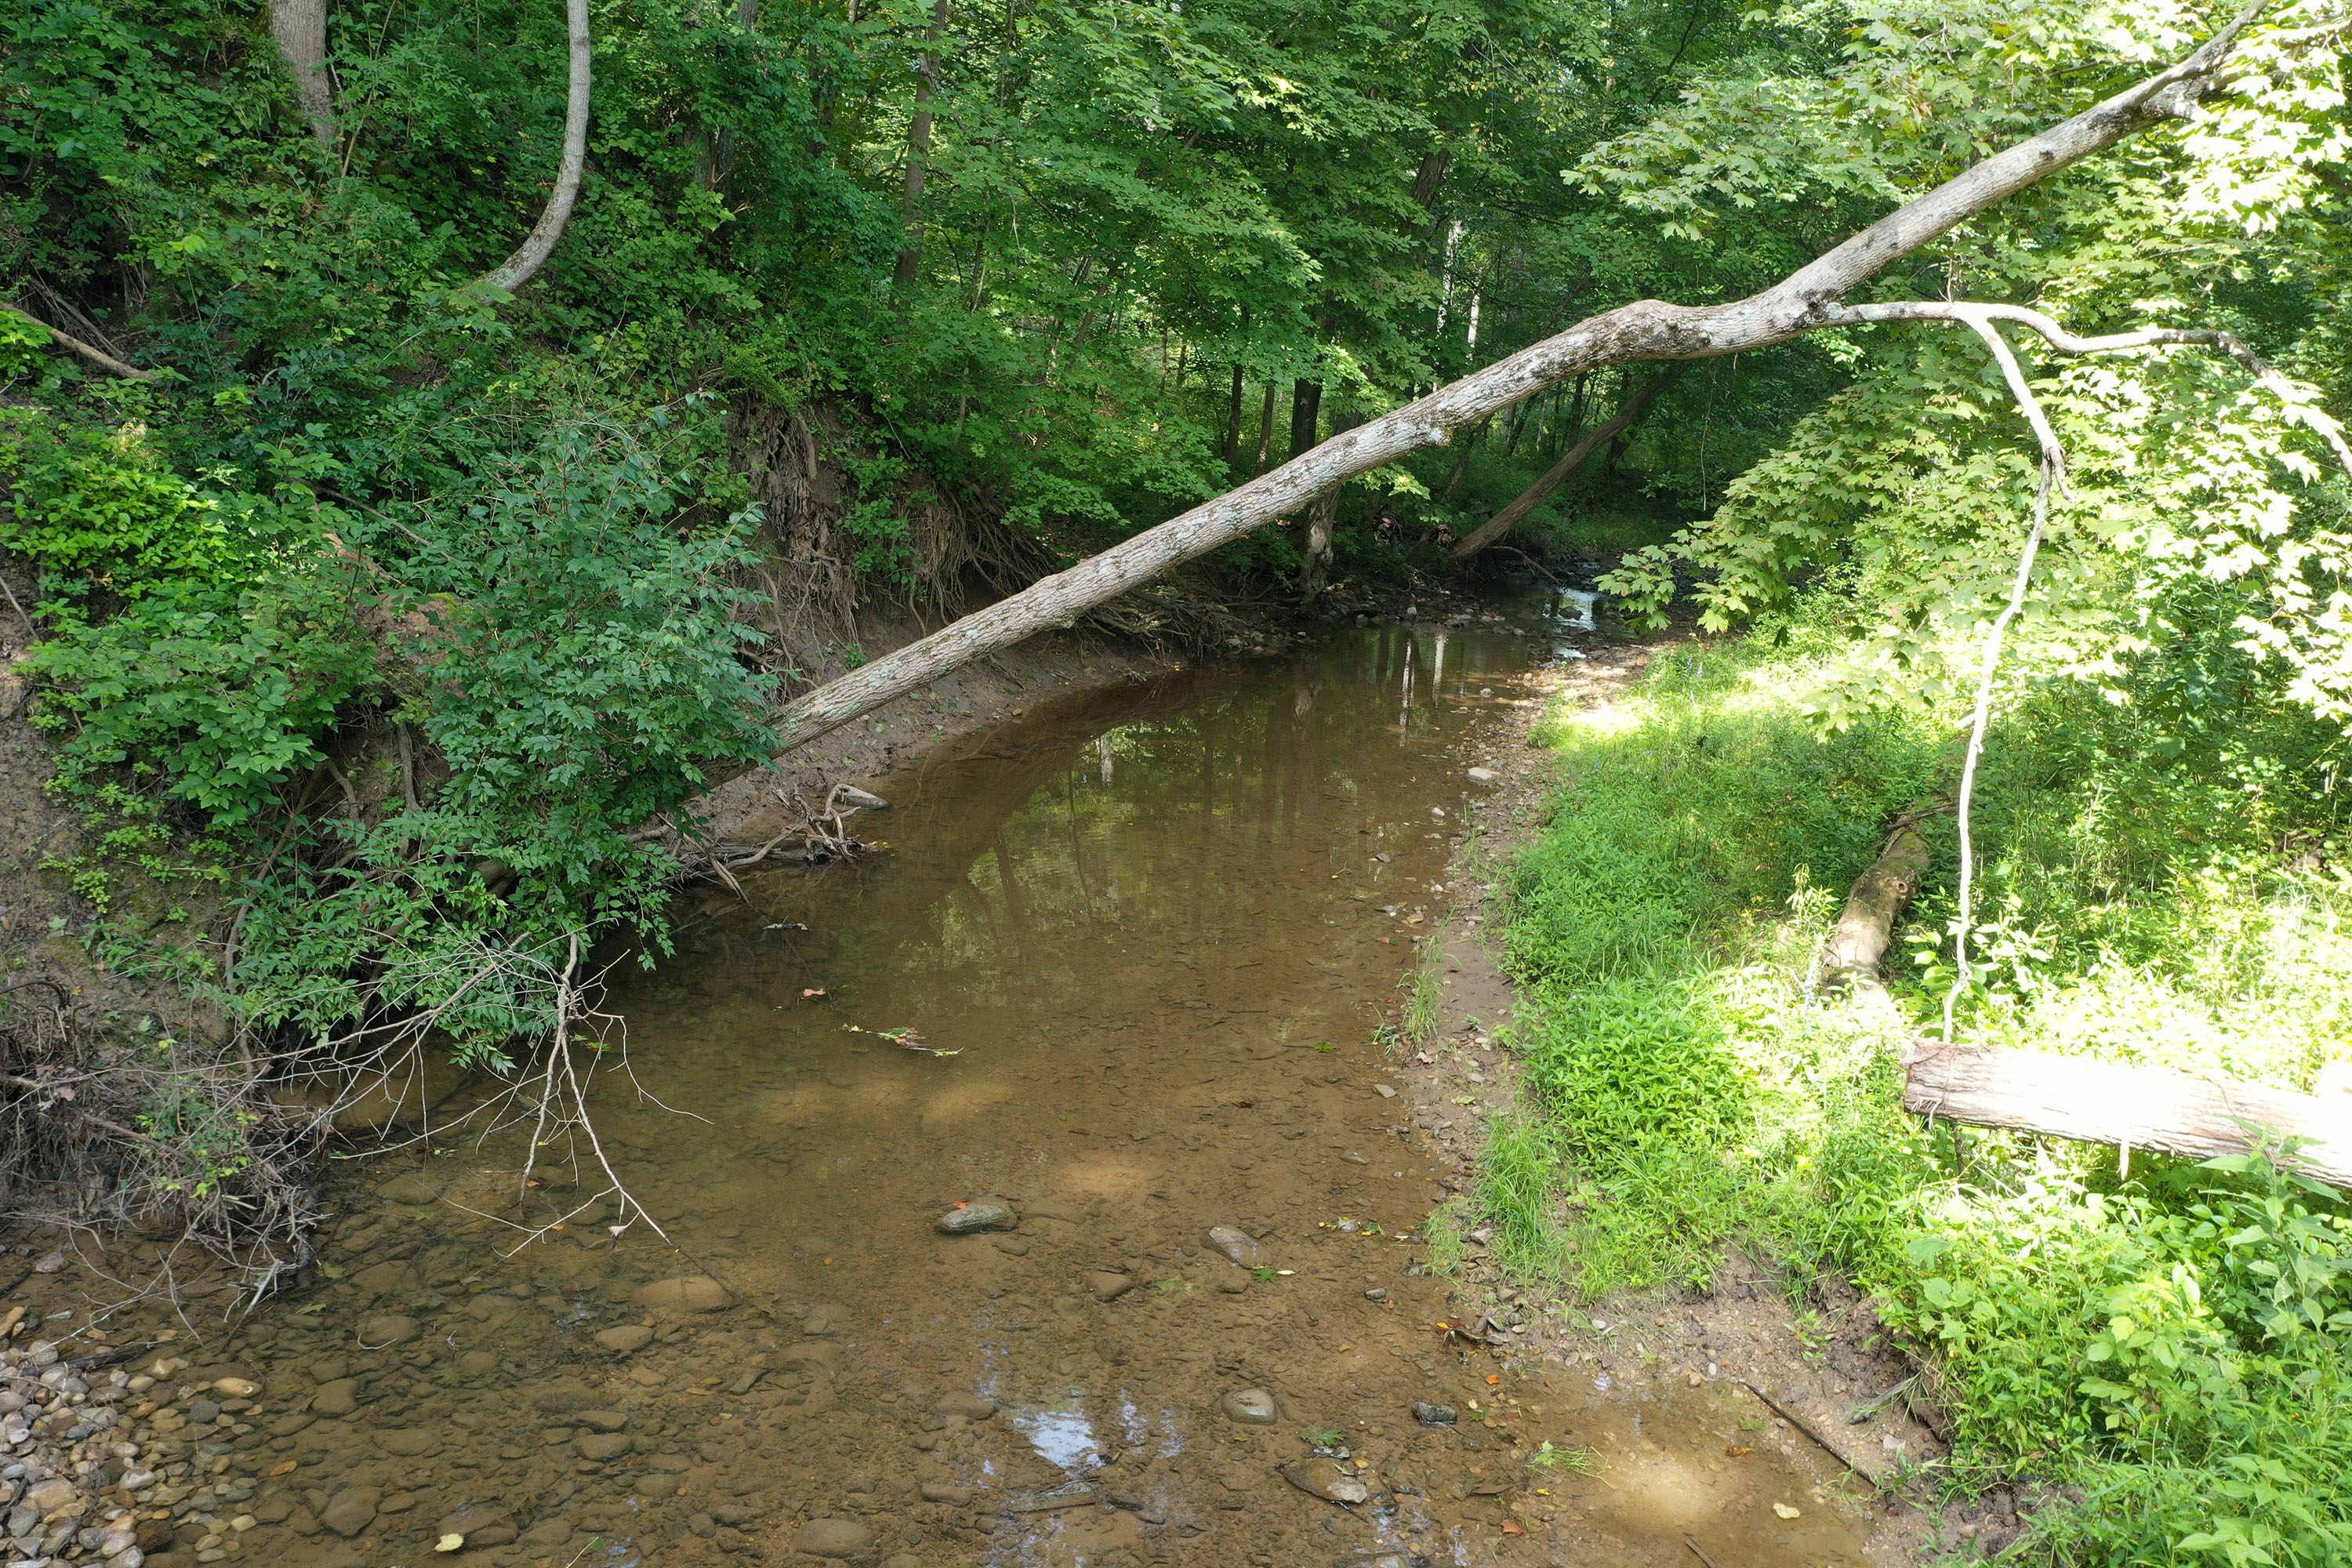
(1575, 458)
(97, 357)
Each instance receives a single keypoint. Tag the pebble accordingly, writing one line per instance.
(628, 1337)
(1326, 1480)
(1433, 1415)
(1250, 1406)
(974, 1218)
(1483, 776)
(1384, 1090)
(1109, 1287)
(350, 1510)
(971, 1406)
(1236, 1247)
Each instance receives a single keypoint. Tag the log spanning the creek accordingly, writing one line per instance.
(2199, 1116)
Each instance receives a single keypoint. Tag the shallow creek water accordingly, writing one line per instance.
(1156, 927)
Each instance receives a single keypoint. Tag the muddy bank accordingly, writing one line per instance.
(1143, 948)
(1809, 1375)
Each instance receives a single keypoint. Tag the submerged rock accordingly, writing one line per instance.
(1326, 1480)
(1108, 1286)
(687, 1293)
(832, 1538)
(626, 1338)
(975, 1217)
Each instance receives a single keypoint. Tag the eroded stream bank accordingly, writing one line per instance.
(1155, 931)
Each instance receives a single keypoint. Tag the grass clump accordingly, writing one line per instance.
(2167, 1341)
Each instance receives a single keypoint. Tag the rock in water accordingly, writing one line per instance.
(626, 1338)
(1236, 1247)
(864, 800)
(1431, 1415)
(971, 1406)
(1326, 1480)
(1484, 777)
(350, 1510)
(687, 1293)
(408, 1189)
(1252, 1407)
(1109, 1287)
(479, 1524)
(832, 1538)
(974, 1218)
(385, 1328)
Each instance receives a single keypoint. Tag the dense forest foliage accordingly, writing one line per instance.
(882, 307)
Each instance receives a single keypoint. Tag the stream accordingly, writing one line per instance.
(1144, 939)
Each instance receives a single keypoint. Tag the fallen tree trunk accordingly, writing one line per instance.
(1807, 299)
(2128, 1107)
(1559, 474)
(1858, 943)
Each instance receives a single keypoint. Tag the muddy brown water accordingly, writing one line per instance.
(1150, 933)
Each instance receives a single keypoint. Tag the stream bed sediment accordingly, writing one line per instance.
(1145, 941)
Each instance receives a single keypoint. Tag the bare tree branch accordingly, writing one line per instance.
(98, 357)
(2067, 343)
(1806, 301)
(524, 264)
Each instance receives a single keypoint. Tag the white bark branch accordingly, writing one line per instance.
(96, 356)
(540, 244)
(2066, 343)
(1806, 301)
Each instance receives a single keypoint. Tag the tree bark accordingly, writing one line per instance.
(1858, 944)
(1325, 510)
(1535, 494)
(1266, 429)
(1234, 421)
(1804, 301)
(1305, 408)
(301, 28)
(909, 261)
(540, 244)
(2130, 1107)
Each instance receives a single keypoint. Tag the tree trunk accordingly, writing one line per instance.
(1233, 422)
(1306, 407)
(1535, 494)
(1317, 573)
(1266, 429)
(301, 28)
(2130, 1107)
(1461, 462)
(909, 261)
(1807, 299)
(540, 244)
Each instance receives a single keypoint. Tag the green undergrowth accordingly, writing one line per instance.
(2165, 1339)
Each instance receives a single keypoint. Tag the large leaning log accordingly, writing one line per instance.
(2128, 1107)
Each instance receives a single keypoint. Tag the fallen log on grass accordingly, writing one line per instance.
(2199, 1116)
(1879, 896)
